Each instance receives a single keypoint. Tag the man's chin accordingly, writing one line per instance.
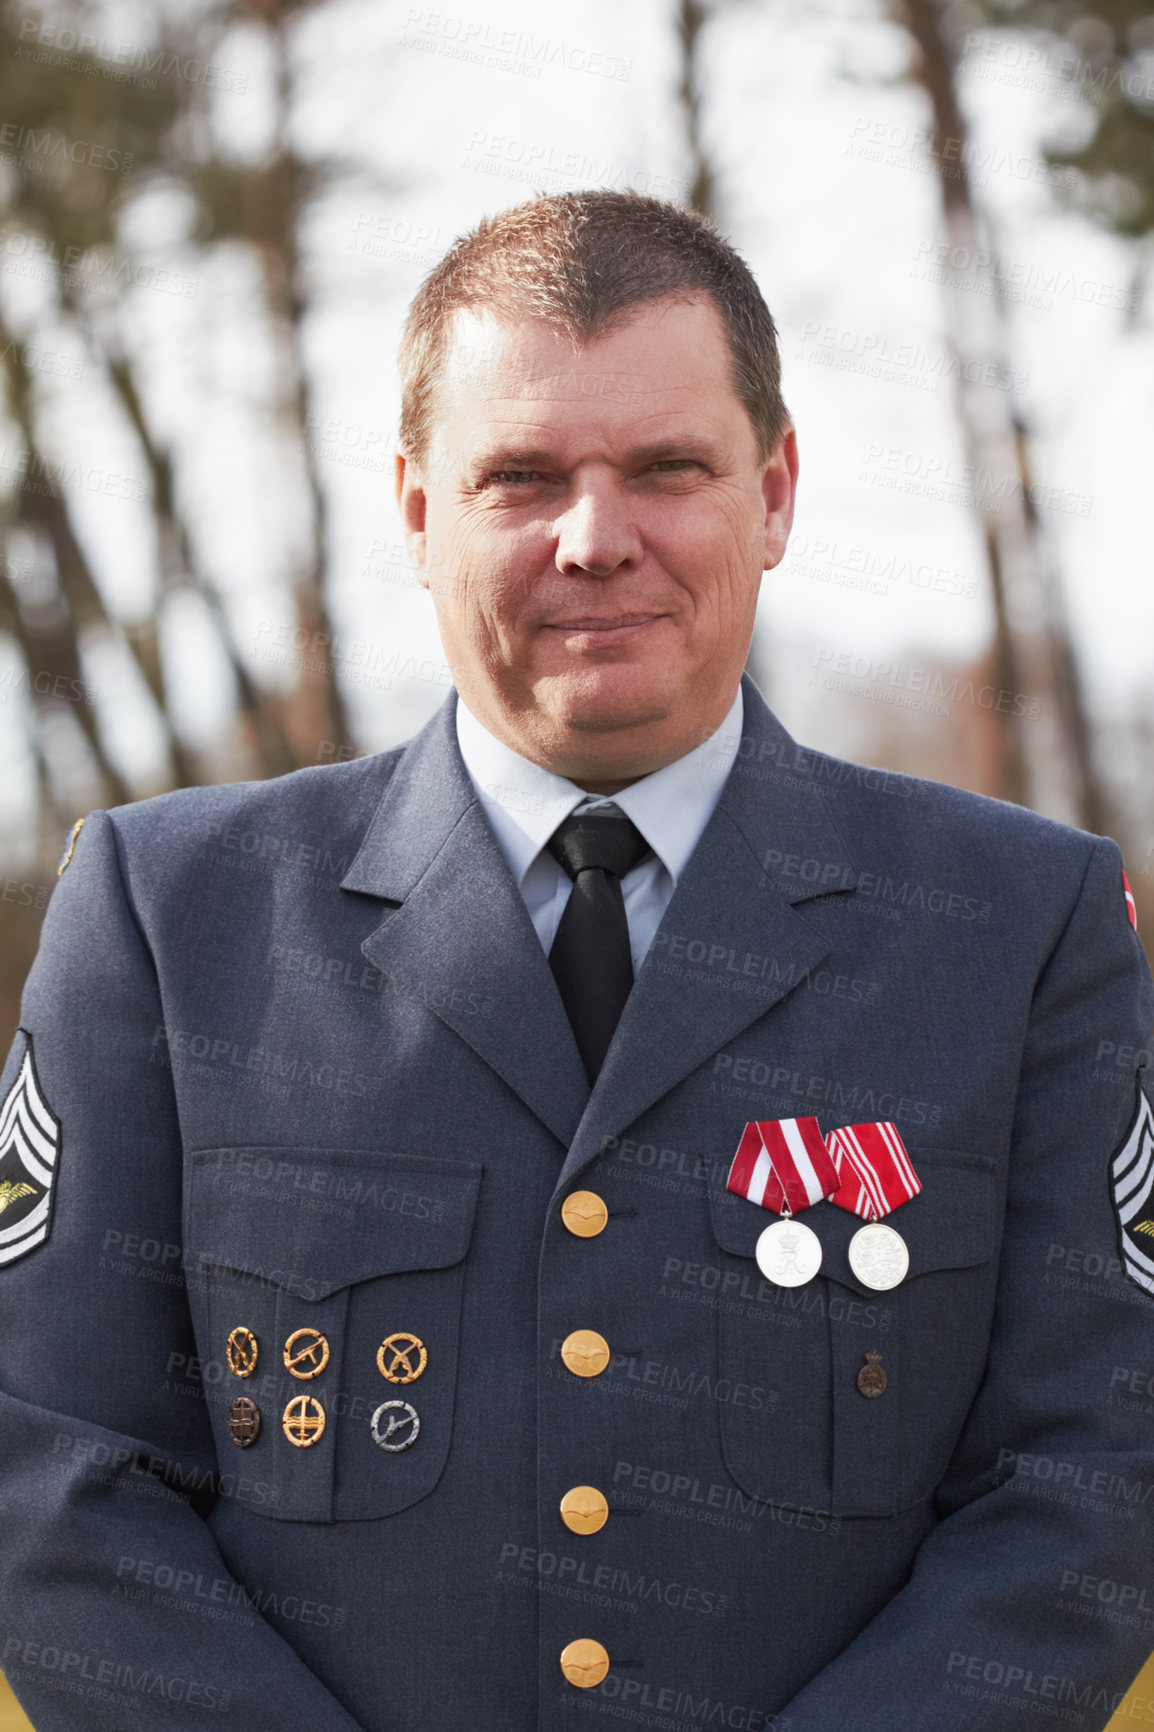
(607, 707)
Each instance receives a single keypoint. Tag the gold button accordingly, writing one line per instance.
(584, 1509)
(584, 1663)
(584, 1214)
(585, 1353)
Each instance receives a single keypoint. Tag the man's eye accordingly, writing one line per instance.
(671, 465)
(514, 477)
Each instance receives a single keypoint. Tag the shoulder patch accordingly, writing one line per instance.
(1132, 1193)
(29, 1149)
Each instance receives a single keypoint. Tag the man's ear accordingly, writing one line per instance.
(412, 503)
(779, 490)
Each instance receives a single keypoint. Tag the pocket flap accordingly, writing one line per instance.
(315, 1220)
(950, 1224)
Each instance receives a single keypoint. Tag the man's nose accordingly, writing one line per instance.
(597, 532)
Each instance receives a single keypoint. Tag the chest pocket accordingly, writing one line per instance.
(823, 1445)
(343, 1250)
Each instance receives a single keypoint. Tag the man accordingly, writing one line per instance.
(496, 1393)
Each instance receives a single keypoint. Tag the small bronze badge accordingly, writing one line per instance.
(306, 1353)
(402, 1357)
(244, 1421)
(871, 1379)
(242, 1351)
(304, 1421)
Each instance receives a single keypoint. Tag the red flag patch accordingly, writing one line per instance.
(1131, 910)
(783, 1162)
(875, 1172)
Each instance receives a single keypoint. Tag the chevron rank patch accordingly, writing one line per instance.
(29, 1147)
(1132, 1190)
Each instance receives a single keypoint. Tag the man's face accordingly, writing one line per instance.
(593, 529)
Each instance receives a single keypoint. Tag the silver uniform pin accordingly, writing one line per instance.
(395, 1426)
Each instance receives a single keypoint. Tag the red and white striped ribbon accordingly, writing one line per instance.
(783, 1163)
(875, 1172)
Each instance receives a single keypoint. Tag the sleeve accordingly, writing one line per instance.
(106, 1455)
(1032, 1599)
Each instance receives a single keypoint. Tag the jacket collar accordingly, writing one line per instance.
(730, 945)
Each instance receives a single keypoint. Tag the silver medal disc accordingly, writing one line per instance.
(878, 1257)
(789, 1253)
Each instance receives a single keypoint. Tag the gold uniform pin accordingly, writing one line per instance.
(241, 1352)
(306, 1353)
(402, 1357)
(303, 1421)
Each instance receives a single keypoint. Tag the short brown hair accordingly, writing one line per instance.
(581, 261)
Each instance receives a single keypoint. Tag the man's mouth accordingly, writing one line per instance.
(610, 629)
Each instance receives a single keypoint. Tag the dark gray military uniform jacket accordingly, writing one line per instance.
(293, 1068)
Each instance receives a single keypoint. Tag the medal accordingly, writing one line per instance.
(788, 1253)
(878, 1257)
(784, 1165)
(876, 1177)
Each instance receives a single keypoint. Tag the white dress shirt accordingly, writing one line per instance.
(525, 803)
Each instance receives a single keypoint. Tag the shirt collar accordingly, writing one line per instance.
(525, 803)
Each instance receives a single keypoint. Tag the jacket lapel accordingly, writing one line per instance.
(461, 939)
(731, 943)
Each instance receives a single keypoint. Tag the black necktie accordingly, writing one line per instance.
(590, 958)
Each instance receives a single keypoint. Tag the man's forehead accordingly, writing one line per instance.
(499, 376)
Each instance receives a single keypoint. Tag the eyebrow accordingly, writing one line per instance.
(537, 457)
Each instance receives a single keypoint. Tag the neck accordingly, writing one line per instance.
(607, 774)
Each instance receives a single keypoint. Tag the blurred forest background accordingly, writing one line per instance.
(164, 196)
(212, 216)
